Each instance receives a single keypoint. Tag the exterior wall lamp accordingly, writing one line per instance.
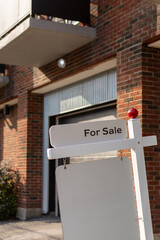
(61, 63)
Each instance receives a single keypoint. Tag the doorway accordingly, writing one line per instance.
(97, 113)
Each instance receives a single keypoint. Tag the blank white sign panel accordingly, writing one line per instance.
(97, 200)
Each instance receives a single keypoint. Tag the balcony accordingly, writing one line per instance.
(36, 32)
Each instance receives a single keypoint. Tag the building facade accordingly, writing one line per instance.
(112, 64)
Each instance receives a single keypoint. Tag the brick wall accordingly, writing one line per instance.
(8, 135)
(119, 25)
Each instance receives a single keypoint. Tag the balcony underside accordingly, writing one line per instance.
(38, 42)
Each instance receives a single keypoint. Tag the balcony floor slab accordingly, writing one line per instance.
(38, 42)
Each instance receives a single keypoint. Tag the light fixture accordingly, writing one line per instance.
(61, 63)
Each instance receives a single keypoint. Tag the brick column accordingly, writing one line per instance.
(129, 80)
(138, 77)
(29, 157)
(151, 126)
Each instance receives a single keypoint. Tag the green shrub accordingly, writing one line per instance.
(8, 187)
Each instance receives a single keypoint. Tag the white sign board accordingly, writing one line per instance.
(90, 132)
(97, 200)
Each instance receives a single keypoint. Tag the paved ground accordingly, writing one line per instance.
(44, 228)
(157, 237)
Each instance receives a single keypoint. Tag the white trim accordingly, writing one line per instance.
(99, 68)
(10, 103)
(82, 149)
(45, 190)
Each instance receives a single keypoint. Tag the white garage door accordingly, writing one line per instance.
(99, 114)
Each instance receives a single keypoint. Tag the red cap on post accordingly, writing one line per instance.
(132, 113)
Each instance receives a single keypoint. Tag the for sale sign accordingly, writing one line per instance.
(87, 132)
(97, 199)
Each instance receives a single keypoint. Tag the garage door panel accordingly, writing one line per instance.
(102, 114)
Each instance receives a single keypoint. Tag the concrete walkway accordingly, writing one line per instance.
(44, 228)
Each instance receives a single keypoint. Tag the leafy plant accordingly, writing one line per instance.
(8, 187)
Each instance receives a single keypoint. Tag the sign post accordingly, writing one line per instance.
(86, 138)
(140, 180)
